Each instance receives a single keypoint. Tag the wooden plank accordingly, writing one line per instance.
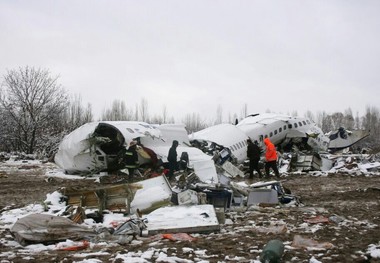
(113, 198)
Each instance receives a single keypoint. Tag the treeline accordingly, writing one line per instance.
(37, 112)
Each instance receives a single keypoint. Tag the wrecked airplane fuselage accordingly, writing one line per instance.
(342, 138)
(281, 129)
(97, 146)
(223, 138)
(94, 146)
(284, 131)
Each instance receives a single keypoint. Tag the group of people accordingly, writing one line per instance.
(128, 157)
(254, 154)
(131, 159)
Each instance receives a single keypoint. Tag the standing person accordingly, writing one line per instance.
(253, 154)
(172, 159)
(132, 159)
(270, 158)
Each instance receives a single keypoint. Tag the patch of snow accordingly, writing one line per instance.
(374, 250)
(314, 260)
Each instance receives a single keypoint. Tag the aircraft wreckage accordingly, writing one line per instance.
(94, 147)
(284, 131)
(204, 188)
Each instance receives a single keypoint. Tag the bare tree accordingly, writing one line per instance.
(233, 118)
(193, 122)
(164, 114)
(117, 112)
(337, 120)
(358, 124)
(309, 115)
(156, 119)
(136, 118)
(371, 122)
(88, 115)
(75, 114)
(244, 111)
(144, 115)
(348, 121)
(323, 120)
(319, 118)
(32, 99)
(7, 142)
(219, 114)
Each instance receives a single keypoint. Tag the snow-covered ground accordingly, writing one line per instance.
(255, 223)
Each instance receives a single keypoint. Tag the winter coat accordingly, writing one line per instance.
(172, 156)
(253, 151)
(132, 159)
(270, 153)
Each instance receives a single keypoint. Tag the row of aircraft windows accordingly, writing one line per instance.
(300, 123)
(242, 144)
(238, 145)
(290, 126)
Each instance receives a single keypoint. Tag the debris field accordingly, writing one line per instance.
(336, 220)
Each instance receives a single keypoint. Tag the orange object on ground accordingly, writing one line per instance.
(85, 244)
(178, 237)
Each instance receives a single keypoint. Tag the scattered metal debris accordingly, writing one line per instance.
(204, 186)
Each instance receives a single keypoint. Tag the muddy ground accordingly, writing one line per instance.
(354, 199)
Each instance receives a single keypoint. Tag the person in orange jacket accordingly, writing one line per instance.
(270, 158)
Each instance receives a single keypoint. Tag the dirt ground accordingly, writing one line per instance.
(355, 199)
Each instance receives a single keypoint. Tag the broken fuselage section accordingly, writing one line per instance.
(289, 134)
(343, 138)
(224, 142)
(282, 130)
(97, 146)
(94, 147)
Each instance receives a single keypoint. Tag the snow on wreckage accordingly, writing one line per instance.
(94, 147)
(194, 203)
(300, 141)
(202, 190)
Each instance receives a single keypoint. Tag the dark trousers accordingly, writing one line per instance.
(254, 165)
(273, 165)
(173, 166)
(131, 172)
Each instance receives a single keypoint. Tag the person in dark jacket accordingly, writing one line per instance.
(172, 159)
(132, 159)
(253, 154)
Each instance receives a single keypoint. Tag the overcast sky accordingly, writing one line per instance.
(195, 55)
